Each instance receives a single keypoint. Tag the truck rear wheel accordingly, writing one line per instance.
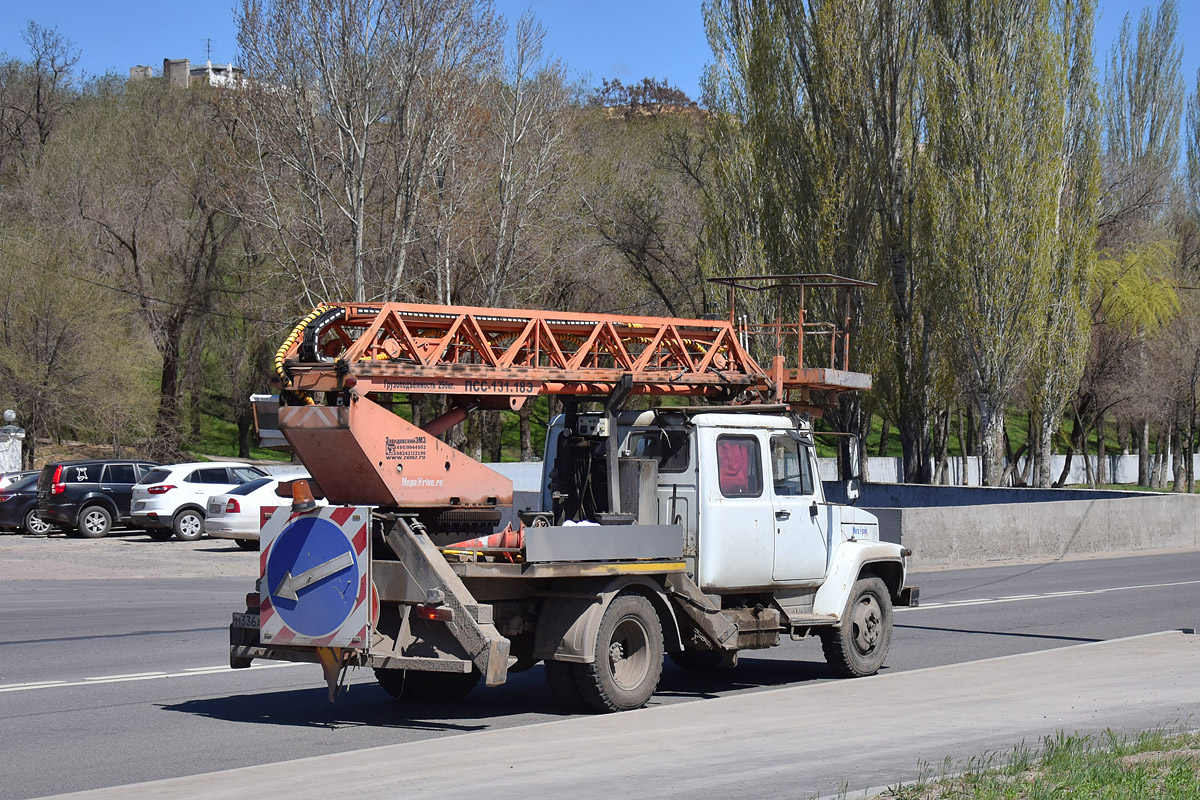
(563, 680)
(429, 686)
(859, 647)
(629, 657)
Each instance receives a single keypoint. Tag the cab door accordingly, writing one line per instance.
(801, 548)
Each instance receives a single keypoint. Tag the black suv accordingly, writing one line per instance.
(87, 497)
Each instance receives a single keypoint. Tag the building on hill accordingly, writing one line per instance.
(180, 72)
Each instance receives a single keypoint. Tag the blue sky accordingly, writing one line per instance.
(611, 38)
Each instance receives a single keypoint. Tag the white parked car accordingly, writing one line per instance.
(174, 498)
(237, 514)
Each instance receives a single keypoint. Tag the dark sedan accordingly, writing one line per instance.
(18, 506)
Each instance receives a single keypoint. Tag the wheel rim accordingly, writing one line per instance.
(189, 525)
(868, 624)
(629, 654)
(94, 522)
(35, 524)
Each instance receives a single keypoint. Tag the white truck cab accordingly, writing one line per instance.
(758, 531)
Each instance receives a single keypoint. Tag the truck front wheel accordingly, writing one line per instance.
(430, 686)
(859, 647)
(629, 657)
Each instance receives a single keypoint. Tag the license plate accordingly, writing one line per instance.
(246, 621)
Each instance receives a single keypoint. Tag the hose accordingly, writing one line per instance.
(296, 333)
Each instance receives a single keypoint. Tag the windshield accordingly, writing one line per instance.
(155, 476)
(247, 488)
(28, 482)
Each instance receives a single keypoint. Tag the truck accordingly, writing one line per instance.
(693, 527)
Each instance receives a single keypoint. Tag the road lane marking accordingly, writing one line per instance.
(131, 676)
(141, 676)
(985, 601)
(35, 684)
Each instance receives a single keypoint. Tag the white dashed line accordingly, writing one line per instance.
(140, 676)
(984, 601)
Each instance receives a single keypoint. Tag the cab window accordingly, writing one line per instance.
(791, 471)
(668, 447)
(739, 466)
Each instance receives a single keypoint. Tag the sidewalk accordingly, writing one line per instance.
(795, 743)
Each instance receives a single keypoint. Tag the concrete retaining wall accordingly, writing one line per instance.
(966, 535)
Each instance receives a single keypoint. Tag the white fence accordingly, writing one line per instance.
(1119, 469)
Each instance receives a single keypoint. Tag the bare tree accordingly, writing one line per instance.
(35, 94)
(333, 86)
(529, 106)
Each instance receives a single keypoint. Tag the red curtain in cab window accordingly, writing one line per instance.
(733, 459)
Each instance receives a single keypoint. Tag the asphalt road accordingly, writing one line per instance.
(112, 682)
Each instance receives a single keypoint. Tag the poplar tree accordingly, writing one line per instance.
(998, 120)
(1062, 349)
(1143, 103)
(817, 108)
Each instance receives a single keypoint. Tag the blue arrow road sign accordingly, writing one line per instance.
(312, 576)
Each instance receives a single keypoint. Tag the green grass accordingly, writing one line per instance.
(1152, 765)
(220, 438)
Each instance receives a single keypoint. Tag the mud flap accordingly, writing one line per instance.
(333, 664)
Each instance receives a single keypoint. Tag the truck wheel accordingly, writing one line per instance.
(629, 657)
(94, 522)
(697, 659)
(34, 524)
(563, 680)
(859, 647)
(429, 686)
(160, 534)
(188, 525)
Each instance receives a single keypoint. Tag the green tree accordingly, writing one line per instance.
(1061, 355)
(998, 115)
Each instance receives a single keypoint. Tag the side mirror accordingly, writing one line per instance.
(848, 464)
(852, 491)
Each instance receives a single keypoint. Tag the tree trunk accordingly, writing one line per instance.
(962, 448)
(941, 446)
(1143, 446)
(1045, 446)
(1180, 478)
(1102, 476)
(166, 429)
(1190, 450)
(885, 431)
(474, 440)
(524, 416)
(245, 426)
(991, 428)
(496, 435)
